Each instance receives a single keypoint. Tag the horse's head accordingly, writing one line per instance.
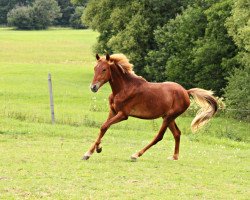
(102, 73)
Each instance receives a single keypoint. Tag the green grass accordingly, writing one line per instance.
(40, 160)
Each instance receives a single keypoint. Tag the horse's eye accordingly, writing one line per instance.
(104, 70)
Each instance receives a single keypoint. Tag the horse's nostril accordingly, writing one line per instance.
(94, 88)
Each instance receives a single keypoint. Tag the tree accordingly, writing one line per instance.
(21, 17)
(67, 9)
(44, 13)
(128, 26)
(38, 16)
(237, 92)
(75, 19)
(238, 26)
(79, 2)
(175, 42)
(214, 54)
(194, 49)
(7, 5)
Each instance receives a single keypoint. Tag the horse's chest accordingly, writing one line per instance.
(119, 102)
(118, 105)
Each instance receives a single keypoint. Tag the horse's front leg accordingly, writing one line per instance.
(112, 113)
(96, 145)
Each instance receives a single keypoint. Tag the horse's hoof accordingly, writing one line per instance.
(86, 157)
(99, 150)
(172, 158)
(133, 159)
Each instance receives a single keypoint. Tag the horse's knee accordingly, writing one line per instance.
(158, 139)
(103, 128)
(177, 135)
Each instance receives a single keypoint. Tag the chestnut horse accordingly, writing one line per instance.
(133, 96)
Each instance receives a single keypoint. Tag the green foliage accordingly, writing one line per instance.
(21, 17)
(79, 2)
(7, 5)
(40, 15)
(128, 26)
(175, 42)
(214, 53)
(44, 13)
(239, 28)
(239, 24)
(194, 47)
(75, 19)
(67, 9)
(237, 92)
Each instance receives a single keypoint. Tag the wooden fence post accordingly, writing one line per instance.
(51, 99)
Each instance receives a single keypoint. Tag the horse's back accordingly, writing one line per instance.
(172, 94)
(153, 100)
(167, 89)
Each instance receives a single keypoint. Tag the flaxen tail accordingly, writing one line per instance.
(208, 104)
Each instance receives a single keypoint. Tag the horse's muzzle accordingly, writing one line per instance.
(94, 88)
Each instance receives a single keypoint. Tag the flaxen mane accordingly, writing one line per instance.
(123, 62)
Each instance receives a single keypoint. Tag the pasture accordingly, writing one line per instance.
(40, 160)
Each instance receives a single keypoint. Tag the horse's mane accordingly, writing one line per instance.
(122, 61)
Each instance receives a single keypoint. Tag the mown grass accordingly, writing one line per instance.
(40, 160)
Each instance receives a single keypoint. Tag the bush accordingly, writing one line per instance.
(38, 16)
(44, 13)
(237, 94)
(75, 19)
(21, 17)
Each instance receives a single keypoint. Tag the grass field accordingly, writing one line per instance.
(40, 160)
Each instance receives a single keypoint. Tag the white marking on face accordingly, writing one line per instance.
(94, 87)
(98, 85)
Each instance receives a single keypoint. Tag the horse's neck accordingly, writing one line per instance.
(124, 82)
(119, 81)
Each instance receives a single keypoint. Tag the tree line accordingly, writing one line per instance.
(40, 14)
(197, 43)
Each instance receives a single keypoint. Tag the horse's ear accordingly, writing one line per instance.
(107, 57)
(97, 57)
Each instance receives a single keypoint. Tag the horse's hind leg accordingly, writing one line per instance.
(156, 139)
(177, 135)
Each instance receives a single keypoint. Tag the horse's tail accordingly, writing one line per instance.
(208, 104)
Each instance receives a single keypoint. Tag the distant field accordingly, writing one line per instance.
(40, 160)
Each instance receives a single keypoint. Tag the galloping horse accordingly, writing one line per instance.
(133, 96)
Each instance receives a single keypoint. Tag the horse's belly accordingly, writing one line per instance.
(146, 111)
